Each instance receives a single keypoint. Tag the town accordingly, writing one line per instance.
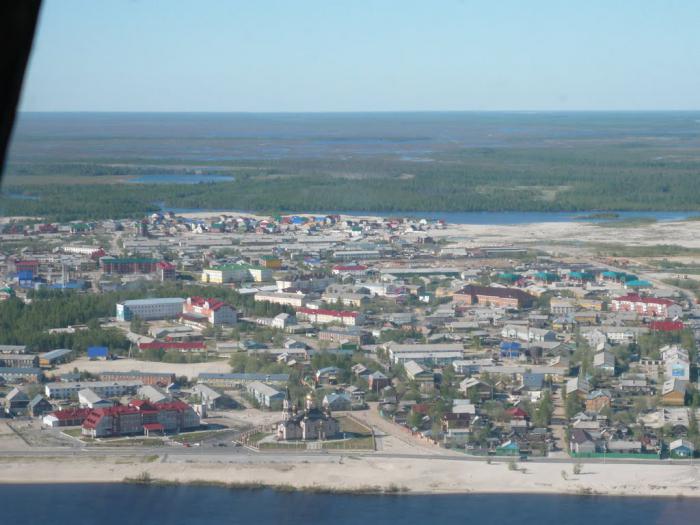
(322, 333)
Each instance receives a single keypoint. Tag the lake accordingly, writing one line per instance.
(116, 504)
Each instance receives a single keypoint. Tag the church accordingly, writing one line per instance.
(310, 424)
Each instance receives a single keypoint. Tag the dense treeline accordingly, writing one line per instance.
(625, 177)
(28, 324)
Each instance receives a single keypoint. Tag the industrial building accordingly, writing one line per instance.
(149, 309)
(55, 357)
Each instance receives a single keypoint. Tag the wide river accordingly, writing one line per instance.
(115, 504)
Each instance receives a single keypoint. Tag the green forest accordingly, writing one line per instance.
(28, 324)
(608, 177)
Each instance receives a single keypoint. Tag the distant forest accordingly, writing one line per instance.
(631, 176)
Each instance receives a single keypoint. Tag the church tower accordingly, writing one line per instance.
(287, 407)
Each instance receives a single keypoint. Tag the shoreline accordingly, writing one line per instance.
(345, 475)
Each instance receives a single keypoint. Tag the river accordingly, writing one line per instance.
(116, 504)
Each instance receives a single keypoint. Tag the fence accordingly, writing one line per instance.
(612, 455)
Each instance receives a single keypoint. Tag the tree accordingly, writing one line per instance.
(573, 405)
(137, 325)
(544, 410)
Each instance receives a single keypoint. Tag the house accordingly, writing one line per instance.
(581, 442)
(39, 406)
(681, 448)
(356, 395)
(578, 386)
(16, 402)
(604, 361)
(473, 388)
(328, 375)
(337, 401)
(673, 392)
(598, 400)
(377, 380)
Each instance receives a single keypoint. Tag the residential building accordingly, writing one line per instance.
(322, 316)
(646, 306)
(265, 395)
(512, 298)
(289, 299)
(70, 389)
(212, 311)
(19, 360)
(17, 375)
(116, 265)
(145, 378)
(16, 402)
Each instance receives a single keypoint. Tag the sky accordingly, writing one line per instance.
(364, 55)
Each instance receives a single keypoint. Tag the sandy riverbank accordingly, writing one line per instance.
(367, 474)
(682, 233)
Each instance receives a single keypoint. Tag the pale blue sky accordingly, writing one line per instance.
(363, 55)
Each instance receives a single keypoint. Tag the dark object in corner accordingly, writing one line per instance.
(17, 24)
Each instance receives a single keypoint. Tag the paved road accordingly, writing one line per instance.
(244, 455)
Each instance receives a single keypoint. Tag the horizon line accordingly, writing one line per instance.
(351, 112)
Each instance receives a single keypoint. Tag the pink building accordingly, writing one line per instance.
(322, 316)
(648, 306)
(209, 310)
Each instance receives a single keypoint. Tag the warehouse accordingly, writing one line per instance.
(55, 357)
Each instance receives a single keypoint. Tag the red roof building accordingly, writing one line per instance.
(140, 417)
(173, 345)
(666, 326)
(517, 413)
(642, 305)
(70, 417)
(209, 310)
(323, 316)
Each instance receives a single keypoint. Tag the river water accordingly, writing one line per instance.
(117, 504)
